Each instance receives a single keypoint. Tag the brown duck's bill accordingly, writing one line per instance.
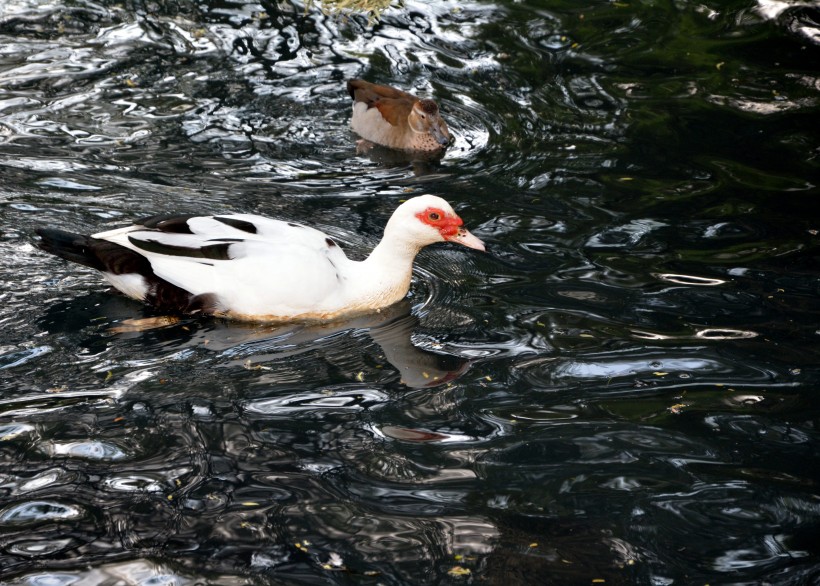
(464, 237)
(442, 137)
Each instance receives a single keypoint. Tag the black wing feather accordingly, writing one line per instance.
(243, 225)
(212, 251)
(176, 224)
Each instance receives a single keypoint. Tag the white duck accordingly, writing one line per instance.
(253, 268)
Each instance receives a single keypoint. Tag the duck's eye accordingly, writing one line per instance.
(434, 216)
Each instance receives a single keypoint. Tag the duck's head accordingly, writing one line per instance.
(425, 118)
(427, 219)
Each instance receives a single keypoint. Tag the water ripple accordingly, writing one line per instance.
(318, 404)
(37, 512)
(90, 450)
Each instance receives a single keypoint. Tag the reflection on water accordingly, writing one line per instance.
(633, 365)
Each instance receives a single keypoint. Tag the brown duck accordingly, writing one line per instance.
(393, 118)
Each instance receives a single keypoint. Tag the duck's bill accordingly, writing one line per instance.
(440, 134)
(464, 237)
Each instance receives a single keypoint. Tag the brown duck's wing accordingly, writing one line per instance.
(394, 111)
(393, 104)
(364, 91)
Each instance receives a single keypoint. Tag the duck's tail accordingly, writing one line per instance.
(102, 255)
(126, 269)
(72, 247)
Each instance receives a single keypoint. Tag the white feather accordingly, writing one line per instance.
(130, 284)
(369, 123)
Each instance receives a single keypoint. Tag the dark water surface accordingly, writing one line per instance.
(625, 388)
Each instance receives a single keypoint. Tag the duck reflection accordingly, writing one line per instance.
(391, 329)
(253, 345)
(421, 162)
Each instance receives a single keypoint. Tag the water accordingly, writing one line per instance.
(623, 389)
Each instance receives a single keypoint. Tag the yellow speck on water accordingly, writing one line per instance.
(533, 544)
(488, 378)
(250, 504)
(360, 377)
(720, 65)
(459, 571)
(170, 497)
(626, 179)
(660, 373)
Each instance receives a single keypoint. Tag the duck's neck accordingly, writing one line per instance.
(384, 276)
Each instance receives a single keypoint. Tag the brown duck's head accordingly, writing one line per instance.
(425, 118)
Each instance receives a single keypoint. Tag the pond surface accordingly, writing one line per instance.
(624, 388)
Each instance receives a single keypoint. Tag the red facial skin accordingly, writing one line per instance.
(448, 226)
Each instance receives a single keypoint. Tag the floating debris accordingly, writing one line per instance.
(144, 324)
(372, 8)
